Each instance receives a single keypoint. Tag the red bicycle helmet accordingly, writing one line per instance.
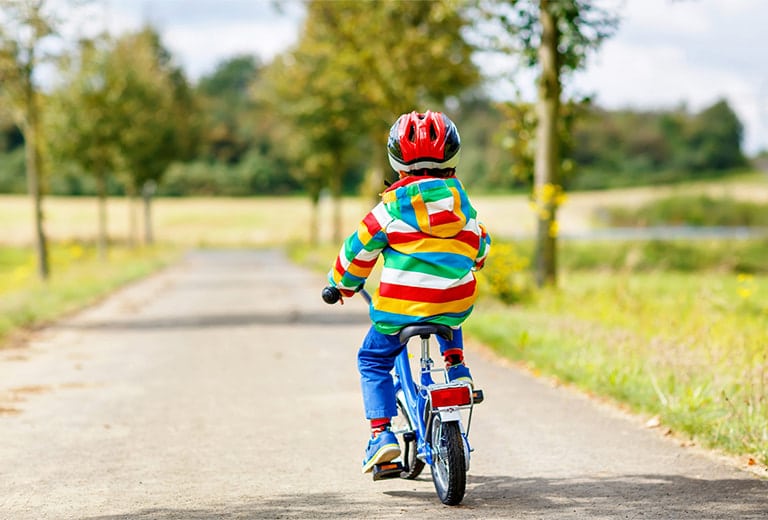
(423, 141)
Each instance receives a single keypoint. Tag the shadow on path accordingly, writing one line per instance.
(631, 496)
(206, 321)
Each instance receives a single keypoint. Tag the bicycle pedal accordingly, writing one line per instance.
(477, 396)
(387, 470)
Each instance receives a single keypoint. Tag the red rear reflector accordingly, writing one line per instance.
(452, 396)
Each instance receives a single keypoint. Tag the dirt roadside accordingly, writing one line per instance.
(224, 388)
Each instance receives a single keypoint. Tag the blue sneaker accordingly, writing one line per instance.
(382, 448)
(460, 373)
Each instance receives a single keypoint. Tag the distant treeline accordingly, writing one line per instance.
(626, 148)
(238, 153)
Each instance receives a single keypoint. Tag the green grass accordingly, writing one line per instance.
(688, 347)
(734, 256)
(78, 279)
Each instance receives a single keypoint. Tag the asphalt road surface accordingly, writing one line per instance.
(224, 388)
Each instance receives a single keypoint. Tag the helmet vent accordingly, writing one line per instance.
(432, 132)
(412, 133)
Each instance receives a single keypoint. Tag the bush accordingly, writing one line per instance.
(254, 175)
(506, 274)
(701, 210)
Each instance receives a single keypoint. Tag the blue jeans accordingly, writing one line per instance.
(375, 361)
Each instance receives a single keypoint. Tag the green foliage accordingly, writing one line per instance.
(84, 121)
(253, 175)
(230, 117)
(701, 210)
(341, 86)
(714, 137)
(12, 178)
(582, 25)
(319, 113)
(506, 275)
(231, 79)
(628, 148)
(485, 159)
(158, 103)
(122, 107)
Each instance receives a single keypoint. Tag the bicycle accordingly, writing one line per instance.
(429, 426)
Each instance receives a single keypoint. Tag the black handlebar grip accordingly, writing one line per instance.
(331, 295)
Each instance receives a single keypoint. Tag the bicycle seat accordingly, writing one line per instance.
(425, 330)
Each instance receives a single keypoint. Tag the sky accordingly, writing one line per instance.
(664, 54)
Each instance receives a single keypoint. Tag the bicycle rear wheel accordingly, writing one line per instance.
(403, 422)
(449, 468)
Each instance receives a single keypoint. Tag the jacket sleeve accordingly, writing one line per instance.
(484, 249)
(360, 251)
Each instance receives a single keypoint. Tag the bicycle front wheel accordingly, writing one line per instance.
(449, 468)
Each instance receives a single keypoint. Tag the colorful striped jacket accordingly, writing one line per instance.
(427, 232)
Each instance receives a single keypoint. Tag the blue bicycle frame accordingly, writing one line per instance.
(418, 400)
(414, 400)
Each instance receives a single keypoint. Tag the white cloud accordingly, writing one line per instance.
(200, 49)
(667, 53)
(202, 33)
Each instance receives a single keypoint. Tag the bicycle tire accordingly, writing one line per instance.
(415, 465)
(449, 468)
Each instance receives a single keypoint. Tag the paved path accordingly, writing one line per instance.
(224, 388)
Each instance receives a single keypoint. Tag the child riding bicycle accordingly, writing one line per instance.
(427, 231)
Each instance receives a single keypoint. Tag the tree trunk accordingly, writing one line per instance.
(547, 159)
(133, 227)
(103, 239)
(32, 155)
(314, 221)
(147, 191)
(336, 218)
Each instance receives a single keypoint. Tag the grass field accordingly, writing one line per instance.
(672, 330)
(261, 221)
(688, 348)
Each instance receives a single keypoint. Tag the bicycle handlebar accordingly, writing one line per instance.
(332, 295)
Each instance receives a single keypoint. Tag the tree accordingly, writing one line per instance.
(341, 88)
(84, 125)
(157, 111)
(715, 138)
(24, 27)
(317, 106)
(554, 36)
(418, 59)
(227, 106)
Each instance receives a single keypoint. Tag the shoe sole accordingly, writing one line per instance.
(386, 453)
